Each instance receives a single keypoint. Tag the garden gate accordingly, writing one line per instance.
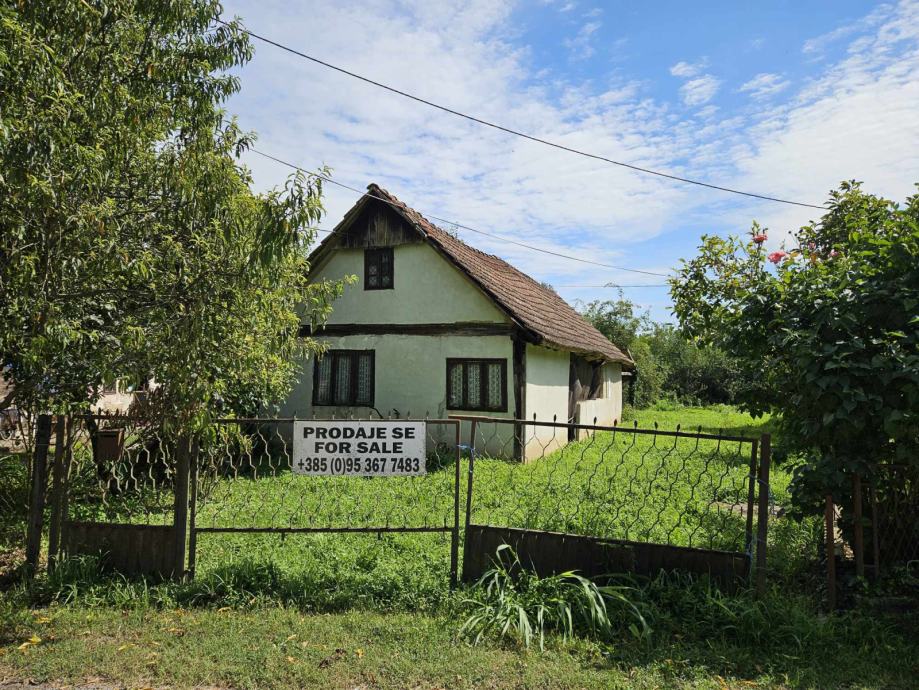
(617, 499)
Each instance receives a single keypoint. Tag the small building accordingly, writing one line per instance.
(435, 327)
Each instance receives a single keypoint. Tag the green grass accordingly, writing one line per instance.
(333, 610)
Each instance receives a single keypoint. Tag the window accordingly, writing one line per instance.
(344, 377)
(477, 384)
(378, 273)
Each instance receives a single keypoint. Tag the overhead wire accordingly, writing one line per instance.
(454, 223)
(515, 132)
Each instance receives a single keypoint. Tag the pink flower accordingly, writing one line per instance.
(834, 254)
(759, 239)
(776, 257)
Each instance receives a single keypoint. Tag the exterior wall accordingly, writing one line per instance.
(546, 397)
(410, 373)
(606, 410)
(426, 289)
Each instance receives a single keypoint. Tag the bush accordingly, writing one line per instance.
(512, 603)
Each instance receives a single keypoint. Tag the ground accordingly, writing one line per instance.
(351, 617)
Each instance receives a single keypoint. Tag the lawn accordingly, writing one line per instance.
(334, 610)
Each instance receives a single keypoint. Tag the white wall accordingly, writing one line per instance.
(606, 410)
(411, 377)
(426, 289)
(546, 397)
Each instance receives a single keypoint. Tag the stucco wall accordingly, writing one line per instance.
(411, 377)
(546, 397)
(426, 289)
(607, 410)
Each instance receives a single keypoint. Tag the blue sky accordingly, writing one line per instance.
(779, 98)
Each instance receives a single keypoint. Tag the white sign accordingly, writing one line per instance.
(359, 449)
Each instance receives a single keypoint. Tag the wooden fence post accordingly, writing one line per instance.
(58, 478)
(39, 483)
(830, 519)
(180, 512)
(762, 522)
(859, 537)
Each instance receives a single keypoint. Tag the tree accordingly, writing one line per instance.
(832, 331)
(131, 243)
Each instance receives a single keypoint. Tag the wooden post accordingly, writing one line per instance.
(57, 493)
(762, 522)
(829, 518)
(37, 495)
(193, 511)
(180, 512)
(859, 539)
(875, 529)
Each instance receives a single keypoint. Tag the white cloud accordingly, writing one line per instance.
(765, 85)
(581, 46)
(685, 69)
(700, 91)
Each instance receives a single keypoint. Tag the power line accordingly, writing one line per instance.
(515, 132)
(454, 223)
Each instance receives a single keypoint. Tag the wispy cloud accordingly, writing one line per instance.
(700, 90)
(688, 69)
(765, 85)
(581, 46)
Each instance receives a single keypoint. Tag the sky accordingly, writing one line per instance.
(784, 99)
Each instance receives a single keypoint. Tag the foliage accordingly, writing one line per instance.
(670, 366)
(832, 332)
(510, 602)
(131, 244)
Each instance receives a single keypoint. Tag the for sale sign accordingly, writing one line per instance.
(359, 449)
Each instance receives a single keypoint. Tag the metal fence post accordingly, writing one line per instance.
(39, 484)
(193, 509)
(57, 493)
(180, 513)
(454, 539)
(762, 523)
(751, 505)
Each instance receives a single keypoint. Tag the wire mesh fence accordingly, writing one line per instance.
(253, 495)
(15, 461)
(674, 488)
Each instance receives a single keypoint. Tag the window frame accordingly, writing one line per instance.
(373, 255)
(355, 356)
(483, 363)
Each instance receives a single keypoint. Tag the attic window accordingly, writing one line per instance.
(378, 269)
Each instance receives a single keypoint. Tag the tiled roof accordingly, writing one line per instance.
(535, 307)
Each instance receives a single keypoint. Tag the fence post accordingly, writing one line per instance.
(751, 503)
(762, 523)
(454, 537)
(39, 483)
(859, 537)
(193, 509)
(875, 528)
(829, 518)
(57, 493)
(180, 512)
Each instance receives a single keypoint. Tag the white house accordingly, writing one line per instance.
(434, 327)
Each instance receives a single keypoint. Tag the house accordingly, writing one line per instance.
(434, 327)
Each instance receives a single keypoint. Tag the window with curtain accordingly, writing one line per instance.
(344, 377)
(477, 384)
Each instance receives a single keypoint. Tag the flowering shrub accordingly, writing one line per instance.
(833, 340)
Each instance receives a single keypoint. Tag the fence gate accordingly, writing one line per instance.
(616, 499)
(253, 480)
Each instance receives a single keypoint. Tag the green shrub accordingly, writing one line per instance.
(512, 603)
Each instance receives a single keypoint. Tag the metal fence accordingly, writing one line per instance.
(155, 502)
(692, 492)
(873, 530)
(246, 486)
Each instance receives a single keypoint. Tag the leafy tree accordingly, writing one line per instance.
(131, 243)
(619, 320)
(832, 330)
